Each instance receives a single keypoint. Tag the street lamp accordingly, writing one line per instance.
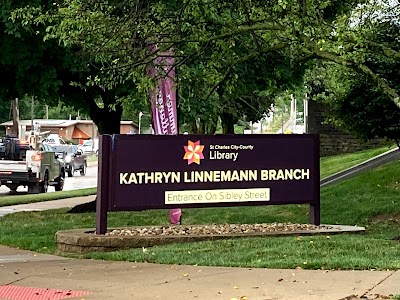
(140, 118)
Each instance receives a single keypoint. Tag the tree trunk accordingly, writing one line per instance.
(108, 120)
(228, 121)
(211, 129)
(193, 128)
(212, 126)
(201, 127)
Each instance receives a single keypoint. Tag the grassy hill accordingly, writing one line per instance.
(371, 200)
(333, 164)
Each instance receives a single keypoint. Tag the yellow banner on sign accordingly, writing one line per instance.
(217, 196)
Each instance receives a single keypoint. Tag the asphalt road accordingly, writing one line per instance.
(71, 183)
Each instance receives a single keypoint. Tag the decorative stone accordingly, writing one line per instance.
(85, 240)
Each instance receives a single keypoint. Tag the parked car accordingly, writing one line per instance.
(90, 146)
(74, 159)
(53, 140)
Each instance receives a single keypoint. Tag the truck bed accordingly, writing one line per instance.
(13, 166)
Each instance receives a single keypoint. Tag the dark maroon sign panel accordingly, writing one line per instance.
(152, 171)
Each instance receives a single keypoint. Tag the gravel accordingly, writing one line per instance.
(217, 229)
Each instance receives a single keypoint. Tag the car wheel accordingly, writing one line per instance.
(34, 188)
(13, 187)
(83, 170)
(60, 182)
(70, 171)
(44, 185)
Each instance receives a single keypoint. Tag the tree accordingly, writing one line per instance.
(22, 56)
(40, 66)
(223, 35)
(357, 104)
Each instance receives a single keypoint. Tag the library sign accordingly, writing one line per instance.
(139, 172)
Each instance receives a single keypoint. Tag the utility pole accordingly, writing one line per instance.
(47, 112)
(293, 112)
(15, 111)
(32, 116)
(140, 119)
(305, 115)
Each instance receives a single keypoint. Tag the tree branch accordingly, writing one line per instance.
(304, 8)
(242, 60)
(255, 54)
(223, 79)
(388, 52)
(249, 23)
(239, 30)
(379, 82)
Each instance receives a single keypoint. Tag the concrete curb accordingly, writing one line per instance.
(367, 165)
(84, 240)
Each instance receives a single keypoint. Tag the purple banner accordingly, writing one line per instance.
(163, 98)
(163, 104)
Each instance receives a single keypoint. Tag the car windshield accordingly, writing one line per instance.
(67, 149)
(46, 147)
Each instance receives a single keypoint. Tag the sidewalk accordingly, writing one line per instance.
(128, 280)
(24, 273)
(38, 206)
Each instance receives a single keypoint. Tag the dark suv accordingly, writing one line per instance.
(74, 159)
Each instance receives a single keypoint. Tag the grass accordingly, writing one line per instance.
(333, 164)
(91, 158)
(371, 200)
(32, 198)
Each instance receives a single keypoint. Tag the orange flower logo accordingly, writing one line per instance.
(193, 152)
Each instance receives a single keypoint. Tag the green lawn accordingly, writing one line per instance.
(92, 157)
(371, 200)
(333, 164)
(32, 198)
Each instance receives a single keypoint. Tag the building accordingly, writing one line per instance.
(68, 130)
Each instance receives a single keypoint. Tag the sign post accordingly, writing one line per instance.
(103, 184)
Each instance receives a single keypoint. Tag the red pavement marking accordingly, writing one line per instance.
(13, 292)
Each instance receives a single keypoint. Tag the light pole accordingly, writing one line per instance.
(140, 119)
(305, 114)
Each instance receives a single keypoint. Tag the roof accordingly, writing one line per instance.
(58, 123)
(79, 134)
(44, 122)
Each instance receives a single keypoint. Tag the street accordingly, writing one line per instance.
(71, 183)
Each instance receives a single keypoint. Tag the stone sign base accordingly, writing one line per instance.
(85, 240)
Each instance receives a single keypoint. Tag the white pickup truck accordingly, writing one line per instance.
(35, 169)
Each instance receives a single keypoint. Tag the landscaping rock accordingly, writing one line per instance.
(86, 240)
(213, 229)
